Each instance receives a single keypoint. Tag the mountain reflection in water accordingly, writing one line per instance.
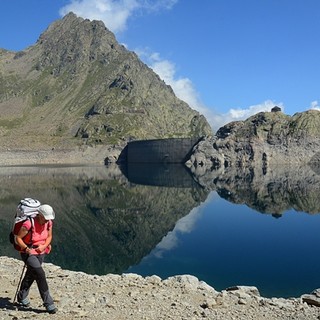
(104, 223)
(113, 221)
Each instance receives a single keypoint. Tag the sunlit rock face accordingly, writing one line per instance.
(263, 140)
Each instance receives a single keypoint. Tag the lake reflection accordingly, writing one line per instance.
(107, 222)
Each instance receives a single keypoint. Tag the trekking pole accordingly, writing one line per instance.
(14, 299)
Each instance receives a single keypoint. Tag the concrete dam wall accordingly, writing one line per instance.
(159, 150)
(158, 162)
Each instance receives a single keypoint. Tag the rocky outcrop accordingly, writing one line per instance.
(130, 296)
(77, 89)
(263, 140)
(270, 161)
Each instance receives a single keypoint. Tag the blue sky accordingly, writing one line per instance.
(228, 59)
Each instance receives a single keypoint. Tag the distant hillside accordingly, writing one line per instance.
(263, 140)
(77, 86)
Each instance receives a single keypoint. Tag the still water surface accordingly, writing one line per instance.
(226, 244)
(164, 223)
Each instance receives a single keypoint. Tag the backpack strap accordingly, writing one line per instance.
(31, 229)
(50, 224)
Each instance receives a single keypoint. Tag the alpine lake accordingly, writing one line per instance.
(157, 220)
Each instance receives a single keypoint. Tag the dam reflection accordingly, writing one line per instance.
(162, 175)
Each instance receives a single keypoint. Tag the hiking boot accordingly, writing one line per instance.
(24, 302)
(51, 309)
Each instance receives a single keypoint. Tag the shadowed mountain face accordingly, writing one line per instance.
(104, 223)
(81, 87)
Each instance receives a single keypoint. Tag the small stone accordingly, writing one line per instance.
(316, 292)
(250, 290)
(311, 299)
(242, 301)
(91, 300)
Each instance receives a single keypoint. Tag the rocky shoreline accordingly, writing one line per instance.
(77, 156)
(130, 296)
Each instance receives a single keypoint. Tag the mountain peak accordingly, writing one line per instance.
(74, 39)
(83, 88)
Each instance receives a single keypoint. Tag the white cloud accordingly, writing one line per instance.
(242, 114)
(114, 13)
(314, 105)
(184, 90)
(184, 225)
(171, 240)
(182, 87)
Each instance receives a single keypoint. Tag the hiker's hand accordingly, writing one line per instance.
(40, 248)
(48, 249)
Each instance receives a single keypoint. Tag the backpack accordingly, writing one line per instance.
(26, 209)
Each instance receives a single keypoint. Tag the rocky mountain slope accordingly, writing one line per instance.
(77, 86)
(263, 140)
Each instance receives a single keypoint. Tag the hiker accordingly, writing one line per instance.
(33, 256)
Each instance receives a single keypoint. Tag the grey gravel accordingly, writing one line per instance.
(130, 296)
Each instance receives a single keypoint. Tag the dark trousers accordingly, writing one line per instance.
(36, 273)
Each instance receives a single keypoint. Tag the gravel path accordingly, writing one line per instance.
(79, 295)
